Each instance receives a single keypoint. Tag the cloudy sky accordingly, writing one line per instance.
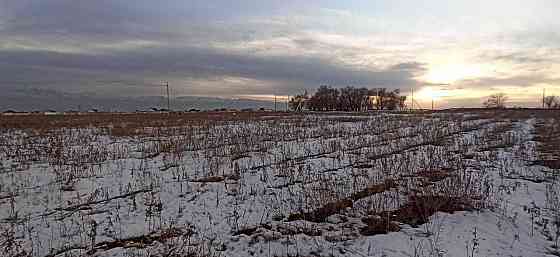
(243, 48)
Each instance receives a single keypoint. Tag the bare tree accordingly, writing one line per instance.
(387, 100)
(497, 101)
(552, 102)
(351, 98)
(394, 101)
(325, 99)
(299, 102)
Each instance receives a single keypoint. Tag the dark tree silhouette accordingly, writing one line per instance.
(552, 102)
(387, 100)
(299, 102)
(353, 99)
(349, 99)
(325, 99)
(496, 101)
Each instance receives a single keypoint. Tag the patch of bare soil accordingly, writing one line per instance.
(321, 214)
(548, 138)
(415, 213)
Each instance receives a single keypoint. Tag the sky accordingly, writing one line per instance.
(456, 52)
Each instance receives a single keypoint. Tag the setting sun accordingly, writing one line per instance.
(450, 73)
(428, 93)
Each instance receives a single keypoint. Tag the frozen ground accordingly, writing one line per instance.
(308, 185)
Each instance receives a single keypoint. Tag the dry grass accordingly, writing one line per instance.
(125, 122)
(548, 137)
(382, 169)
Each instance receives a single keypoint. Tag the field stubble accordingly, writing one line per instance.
(265, 184)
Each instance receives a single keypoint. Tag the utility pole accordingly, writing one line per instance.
(378, 103)
(443, 84)
(432, 103)
(274, 102)
(168, 105)
(543, 96)
(412, 99)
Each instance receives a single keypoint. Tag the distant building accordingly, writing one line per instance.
(11, 112)
(50, 112)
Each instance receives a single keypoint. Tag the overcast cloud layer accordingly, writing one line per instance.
(229, 48)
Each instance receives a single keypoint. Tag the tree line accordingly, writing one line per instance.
(552, 102)
(327, 98)
(499, 100)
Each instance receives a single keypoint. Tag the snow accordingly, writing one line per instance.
(118, 188)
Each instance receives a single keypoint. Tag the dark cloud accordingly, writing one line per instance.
(117, 19)
(80, 46)
(101, 17)
(47, 67)
(414, 67)
(34, 99)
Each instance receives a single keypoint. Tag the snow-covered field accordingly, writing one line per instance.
(297, 185)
